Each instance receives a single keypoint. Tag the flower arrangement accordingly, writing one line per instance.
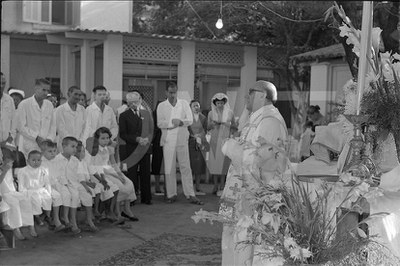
(290, 224)
(381, 98)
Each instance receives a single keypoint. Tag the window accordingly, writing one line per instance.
(48, 12)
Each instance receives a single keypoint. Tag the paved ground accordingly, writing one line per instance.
(90, 248)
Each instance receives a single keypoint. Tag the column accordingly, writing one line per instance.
(67, 68)
(248, 76)
(113, 67)
(186, 70)
(319, 89)
(87, 68)
(5, 57)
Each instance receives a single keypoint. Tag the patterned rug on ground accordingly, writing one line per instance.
(171, 249)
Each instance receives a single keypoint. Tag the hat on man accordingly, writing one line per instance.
(20, 92)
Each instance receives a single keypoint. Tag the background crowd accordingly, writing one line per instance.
(59, 155)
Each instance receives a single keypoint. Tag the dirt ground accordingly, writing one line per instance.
(90, 248)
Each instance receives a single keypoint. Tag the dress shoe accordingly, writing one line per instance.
(131, 218)
(147, 202)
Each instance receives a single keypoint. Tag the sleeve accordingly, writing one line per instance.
(82, 172)
(162, 118)
(22, 127)
(60, 123)
(13, 129)
(88, 125)
(47, 183)
(123, 130)
(51, 135)
(22, 180)
(150, 125)
(188, 120)
(113, 125)
(83, 126)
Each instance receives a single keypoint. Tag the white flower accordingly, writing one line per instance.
(289, 243)
(245, 221)
(300, 253)
(267, 218)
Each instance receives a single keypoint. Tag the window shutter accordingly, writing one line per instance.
(36, 11)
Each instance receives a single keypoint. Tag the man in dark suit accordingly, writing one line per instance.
(136, 129)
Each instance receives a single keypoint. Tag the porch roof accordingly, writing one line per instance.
(150, 35)
(333, 51)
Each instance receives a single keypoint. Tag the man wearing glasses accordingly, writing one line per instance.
(261, 119)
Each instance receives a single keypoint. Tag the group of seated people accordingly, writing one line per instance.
(52, 186)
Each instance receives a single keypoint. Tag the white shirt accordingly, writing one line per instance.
(95, 119)
(34, 121)
(165, 113)
(67, 170)
(70, 122)
(33, 179)
(7, 114)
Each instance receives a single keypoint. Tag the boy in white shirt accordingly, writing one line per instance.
(67, 167)
(34, 181)
(19, 211)
(88, 188)
(49, 151)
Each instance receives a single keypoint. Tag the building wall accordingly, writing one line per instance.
(106, 15)
(32, 59)
(327, 81)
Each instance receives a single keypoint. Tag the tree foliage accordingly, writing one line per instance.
(263, 22)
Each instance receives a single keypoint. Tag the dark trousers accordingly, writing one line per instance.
(144, 178)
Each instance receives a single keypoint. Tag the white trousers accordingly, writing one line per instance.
(171, 154)
(20, 212)
(40, 199)
(69, 195)
(56, 197)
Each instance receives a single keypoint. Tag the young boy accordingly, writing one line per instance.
(34, 181)
(86, 188)
(19, 212)
(67, 169)
(49, 150)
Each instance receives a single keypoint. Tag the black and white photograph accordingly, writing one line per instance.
(195, 132)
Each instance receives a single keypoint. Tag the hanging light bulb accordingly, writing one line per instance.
(219, 24)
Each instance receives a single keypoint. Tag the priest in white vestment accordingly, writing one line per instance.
(264, 121)
(35, 118)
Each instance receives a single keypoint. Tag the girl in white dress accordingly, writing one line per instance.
(102, 157)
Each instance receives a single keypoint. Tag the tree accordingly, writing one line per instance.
(297, 26)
